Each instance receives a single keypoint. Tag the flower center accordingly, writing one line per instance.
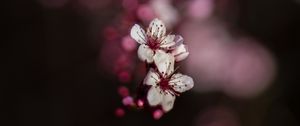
(153, 43)
(164, 84)
(166, 88)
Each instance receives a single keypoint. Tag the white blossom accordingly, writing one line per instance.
(165, 85)
(155, 42)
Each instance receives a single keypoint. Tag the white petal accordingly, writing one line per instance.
(156, 29)
(154, 96)
(178, 40)
(168, 42)
(164, 62)
(180, 53)
(152, 78)
(168, 102)
(138, 34)
(181, 83)
(171, 42)
(145, 53)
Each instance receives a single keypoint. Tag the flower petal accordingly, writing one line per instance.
(168, 42)
(180, 53)
(164, 62)
(171, 42)
(145, 53)
(138, 34)
(181, 83)
(178, 40)
(152, 78)
(156, 29)
(154, 96)
(168, 102)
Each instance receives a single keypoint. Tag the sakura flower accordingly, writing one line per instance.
(156, 42)
(165, 85)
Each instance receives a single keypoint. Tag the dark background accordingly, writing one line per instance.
(50, 74)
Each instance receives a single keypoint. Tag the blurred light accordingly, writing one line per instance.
(110, 33)
(219, 116)
(208, 59)
(251, 70)
(119, 112)
(130, 5)
(110, 57)
(126, 21)
(123, 91)
(140, 103)
(157, 114)
(128, 101)
(128, 44)
(239, 67)
(122, 63)
(124, 77)
(164, 10)
(200, 9)
(145, 13)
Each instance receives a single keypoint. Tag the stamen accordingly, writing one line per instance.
(175, 82)
(162, 41)
(154, 78)
(141, 36)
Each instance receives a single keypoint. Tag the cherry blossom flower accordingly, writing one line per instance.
(165, 85)
(155, 42)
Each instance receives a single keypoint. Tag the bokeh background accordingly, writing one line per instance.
(69, 62)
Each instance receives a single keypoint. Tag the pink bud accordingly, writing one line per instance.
(127, 101)
(140, 103)
(123, 91)
(157, 114)
(119, 112)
